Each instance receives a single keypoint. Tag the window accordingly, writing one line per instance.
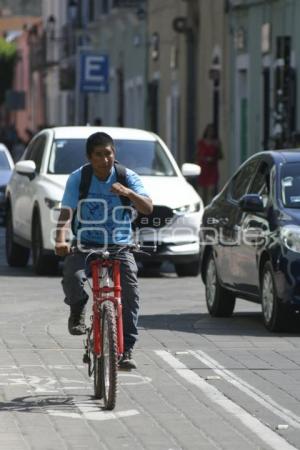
(261, 182)
(4, 164)
(290, 185)
(144, 157)
(104, 6)
(28, 151)
(260, 178)
(67, 155)
(38, 151)
(241, 182)
(91, 10)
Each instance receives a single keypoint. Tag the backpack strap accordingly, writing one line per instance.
(85, 181)
(121, 178)
(84, 186)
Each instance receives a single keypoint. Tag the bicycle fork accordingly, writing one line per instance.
(100, 295)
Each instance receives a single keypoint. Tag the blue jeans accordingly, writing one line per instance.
(74, 278)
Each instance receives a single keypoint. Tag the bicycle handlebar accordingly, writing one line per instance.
(107, 252)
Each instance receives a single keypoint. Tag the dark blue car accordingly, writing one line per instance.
(250, 238)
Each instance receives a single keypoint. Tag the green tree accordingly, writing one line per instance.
(8, 58)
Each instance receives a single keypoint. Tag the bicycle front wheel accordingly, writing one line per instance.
(98, 383)
(109, 356)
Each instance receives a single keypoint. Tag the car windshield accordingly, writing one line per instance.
(4, 164)
(290, 185)
(144, 157)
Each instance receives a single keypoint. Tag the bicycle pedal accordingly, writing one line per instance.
(86, 359)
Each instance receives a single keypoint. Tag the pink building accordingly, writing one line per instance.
(29, 75)
(27, 34)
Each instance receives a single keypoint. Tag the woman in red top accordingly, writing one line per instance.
(208, 153)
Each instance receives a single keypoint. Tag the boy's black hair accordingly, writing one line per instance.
(96, 139)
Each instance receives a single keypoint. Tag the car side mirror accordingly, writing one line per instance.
(190, 170)
(27, 168)
(252, 203)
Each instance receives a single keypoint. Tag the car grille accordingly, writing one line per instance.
(160, 217)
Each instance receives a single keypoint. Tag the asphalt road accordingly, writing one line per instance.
(201, 383)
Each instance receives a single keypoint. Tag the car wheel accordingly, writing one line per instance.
(275, 315)
(42, 264)
(16, 254)
(220, 302)
(188, 270)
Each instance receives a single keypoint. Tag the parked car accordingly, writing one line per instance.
(6, 168)
(37, 184)
(250, 237)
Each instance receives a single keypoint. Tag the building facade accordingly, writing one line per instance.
(166, 67)
(264, 61)
(189, 74)
(24, 105)
(117, 31)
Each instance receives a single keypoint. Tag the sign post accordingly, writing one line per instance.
(92, 76)
(93, 72)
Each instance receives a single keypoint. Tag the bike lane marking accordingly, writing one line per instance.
(88, 410)
(263, 432)
(265, 400)
(49, 384)
(92, 411)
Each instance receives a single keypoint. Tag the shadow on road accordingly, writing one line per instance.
(6, 271)
(42, 403)
(27, 271)
(240, 324)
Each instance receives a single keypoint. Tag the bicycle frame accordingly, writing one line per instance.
(106, 293)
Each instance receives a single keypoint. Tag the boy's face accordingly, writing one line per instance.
(102, 159)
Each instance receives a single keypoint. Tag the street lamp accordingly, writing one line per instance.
(51, 27)
(73, 8)
(51, 21)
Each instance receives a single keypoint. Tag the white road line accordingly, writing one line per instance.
(254, 425)
(55, 412)
(265, 400)
(92, 411)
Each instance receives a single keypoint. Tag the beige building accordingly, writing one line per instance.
(187, 73)
(167, 74)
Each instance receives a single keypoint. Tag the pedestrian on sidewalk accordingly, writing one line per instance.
(208, 154)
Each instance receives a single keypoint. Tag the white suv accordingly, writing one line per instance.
(35, 190)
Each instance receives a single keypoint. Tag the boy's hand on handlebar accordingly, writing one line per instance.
(62, 248)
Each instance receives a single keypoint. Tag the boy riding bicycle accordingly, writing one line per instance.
(100, 218)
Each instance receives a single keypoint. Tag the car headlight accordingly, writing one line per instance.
(290, 236)
(194, 207)
(52, 203)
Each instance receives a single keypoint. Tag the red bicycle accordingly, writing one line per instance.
(104, 344)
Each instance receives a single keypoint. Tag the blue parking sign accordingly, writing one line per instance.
(93, 72)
